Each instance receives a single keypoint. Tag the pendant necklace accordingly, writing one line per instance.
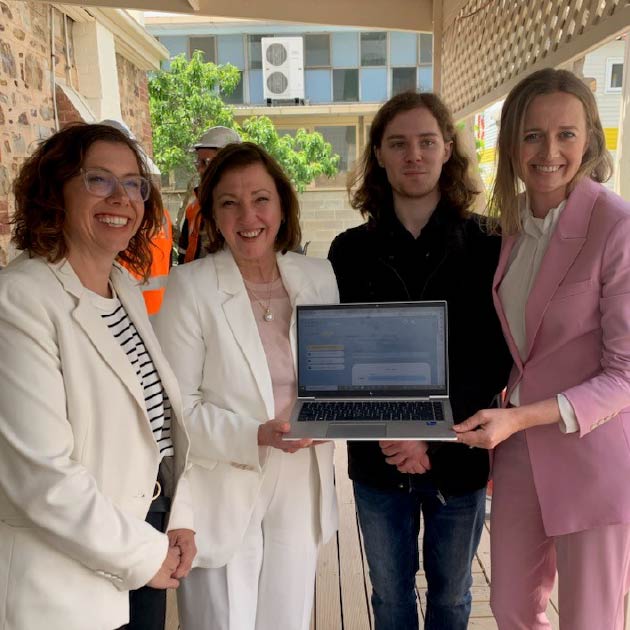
(266, 307)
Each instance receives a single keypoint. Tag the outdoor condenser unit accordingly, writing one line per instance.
(283, 67)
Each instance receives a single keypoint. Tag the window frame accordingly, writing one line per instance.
(374, 65)
(318, 67)
(192, 49)
(610, 62)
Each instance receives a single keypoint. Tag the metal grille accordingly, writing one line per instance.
(489, 45)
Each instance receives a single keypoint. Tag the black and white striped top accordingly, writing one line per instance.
(155, 398)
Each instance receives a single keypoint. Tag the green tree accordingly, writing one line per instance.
(187, 99)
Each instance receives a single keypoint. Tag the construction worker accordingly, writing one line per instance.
(161, 243)
(191, 233)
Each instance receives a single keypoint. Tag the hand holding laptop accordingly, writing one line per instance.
(271, 433)
(409, 456)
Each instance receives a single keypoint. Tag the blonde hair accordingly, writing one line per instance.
(596, 162)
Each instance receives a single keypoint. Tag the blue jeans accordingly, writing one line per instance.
(390, 524)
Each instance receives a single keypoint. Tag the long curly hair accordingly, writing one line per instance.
(368, 187)
(40, 214)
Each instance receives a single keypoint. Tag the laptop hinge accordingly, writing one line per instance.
(438, 398)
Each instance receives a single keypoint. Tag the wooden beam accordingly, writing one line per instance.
(406, 15)
(438, 29)
(622, 160)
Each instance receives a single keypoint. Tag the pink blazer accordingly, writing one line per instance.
(578, 329)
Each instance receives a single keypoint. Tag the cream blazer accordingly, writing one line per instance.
(209, 334)
(78, 460)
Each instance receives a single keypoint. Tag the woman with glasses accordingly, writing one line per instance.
(91, 433)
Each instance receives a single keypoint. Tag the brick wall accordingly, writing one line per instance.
(324, 214)
(134, 102)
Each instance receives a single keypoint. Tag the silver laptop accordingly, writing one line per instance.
(372, 372)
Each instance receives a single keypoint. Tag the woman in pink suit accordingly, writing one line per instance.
(562, 291)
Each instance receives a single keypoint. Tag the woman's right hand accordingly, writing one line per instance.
(270, 434)
(162, 579)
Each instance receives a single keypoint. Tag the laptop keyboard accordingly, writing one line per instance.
(373, 410)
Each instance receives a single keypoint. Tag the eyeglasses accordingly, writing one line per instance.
(103, 184)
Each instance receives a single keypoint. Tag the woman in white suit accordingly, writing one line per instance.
(89, 410)
(262, 506)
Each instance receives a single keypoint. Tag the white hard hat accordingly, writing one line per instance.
(121, 126)
(118, 124)
(217, 138)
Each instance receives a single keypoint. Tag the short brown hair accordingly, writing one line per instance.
(40, 213)
(239, 155)
(373, 197)
(596, 162)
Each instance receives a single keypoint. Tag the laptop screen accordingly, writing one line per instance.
(395, 349)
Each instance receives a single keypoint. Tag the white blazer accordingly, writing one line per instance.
(209, 334)
(78, 461)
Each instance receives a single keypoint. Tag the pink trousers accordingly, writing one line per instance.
(593, 566)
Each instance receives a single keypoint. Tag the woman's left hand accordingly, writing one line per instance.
(487, 427)
(184, 539)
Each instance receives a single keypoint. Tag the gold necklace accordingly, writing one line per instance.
(266, 308)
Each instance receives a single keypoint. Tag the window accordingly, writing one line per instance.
(614, 74)
(344, 144)
(254, 52)
(236, 98)
(425, 49)
(373, 49)
(403, 79)
(206, 45)
(317, 50)
(346, 85)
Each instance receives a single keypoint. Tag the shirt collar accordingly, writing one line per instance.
(536, 227)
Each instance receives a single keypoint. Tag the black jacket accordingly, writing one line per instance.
(453, 259)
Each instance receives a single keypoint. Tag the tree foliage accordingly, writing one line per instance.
(187, 99)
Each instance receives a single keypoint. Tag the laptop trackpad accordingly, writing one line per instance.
(356, 431)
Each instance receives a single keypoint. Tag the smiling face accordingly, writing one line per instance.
(412, 152)
(553, 142)
(101, 227)
(247, 211)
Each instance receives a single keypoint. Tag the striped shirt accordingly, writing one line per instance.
(157, 403)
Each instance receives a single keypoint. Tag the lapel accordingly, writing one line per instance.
(96, 331)
(565, 244)
(240, 318)
(507, 245)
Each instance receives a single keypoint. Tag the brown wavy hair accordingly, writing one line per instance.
(596, 162)
(40, 213)
(368, 187)
(239, 155)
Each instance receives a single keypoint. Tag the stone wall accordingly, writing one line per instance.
(26, 107)
(27, 112)
(134, 102)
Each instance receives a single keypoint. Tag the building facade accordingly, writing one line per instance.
(348, 74)
(60, 64)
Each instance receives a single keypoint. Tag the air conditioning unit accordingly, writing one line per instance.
(283, 67)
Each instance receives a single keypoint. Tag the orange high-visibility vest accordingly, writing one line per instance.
(161, 248)
(194, 219)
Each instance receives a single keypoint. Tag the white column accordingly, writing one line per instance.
(95, 54)
(622, 161)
